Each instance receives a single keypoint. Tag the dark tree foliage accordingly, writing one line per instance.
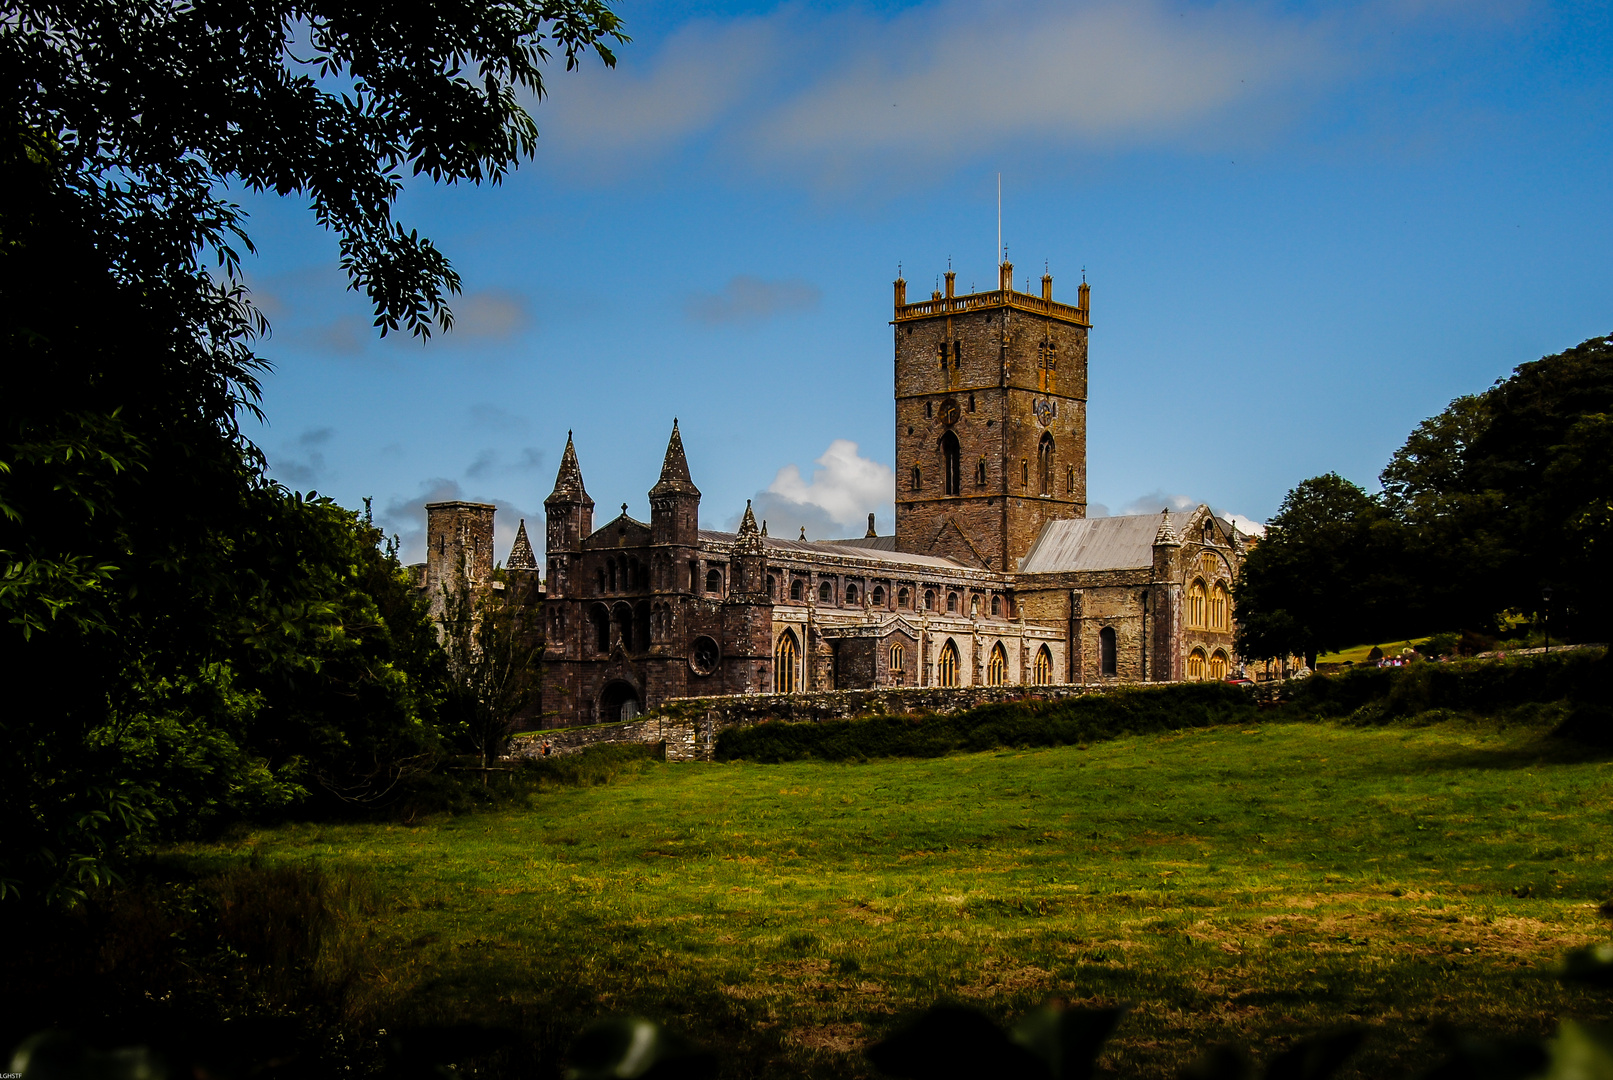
(189, 638)
(1329, 573)
(1502, 496)
(1509, 493)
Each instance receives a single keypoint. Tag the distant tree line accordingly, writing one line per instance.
(1500, 505)
(183, 640)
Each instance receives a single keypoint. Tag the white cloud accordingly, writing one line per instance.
(304, 463)
(1158, 500)
(957, 77)
(829, 93)
(747, 298)
(835, 503)
(599, 118)
(490, 314)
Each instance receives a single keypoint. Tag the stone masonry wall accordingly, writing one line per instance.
(689, 726)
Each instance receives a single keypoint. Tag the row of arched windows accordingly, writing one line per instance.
(1208, 607)
(624, 622)
(1212, 667)
(628, 575)
(948, 665)
(877, 597)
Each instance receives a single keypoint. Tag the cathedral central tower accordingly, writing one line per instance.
(991, 419)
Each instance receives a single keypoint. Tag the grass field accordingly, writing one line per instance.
(1250, 884)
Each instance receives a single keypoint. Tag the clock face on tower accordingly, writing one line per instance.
(949, 413)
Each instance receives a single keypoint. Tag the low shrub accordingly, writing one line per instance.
(1070, 721)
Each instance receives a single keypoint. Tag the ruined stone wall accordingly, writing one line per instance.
(689, 727)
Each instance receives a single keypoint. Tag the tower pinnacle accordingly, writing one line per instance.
(675, 477)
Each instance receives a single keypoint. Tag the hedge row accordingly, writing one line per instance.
(1016, 723)
(1478, 687)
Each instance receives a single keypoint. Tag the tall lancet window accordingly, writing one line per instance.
(953, 456)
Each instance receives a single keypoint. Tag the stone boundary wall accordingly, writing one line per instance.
(689, 726)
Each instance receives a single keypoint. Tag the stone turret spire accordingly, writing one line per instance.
(568, 485)
(1166, 537)
(521, 557)
(675, 477)
(750, 538)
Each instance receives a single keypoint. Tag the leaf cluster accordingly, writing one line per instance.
(1499, 498)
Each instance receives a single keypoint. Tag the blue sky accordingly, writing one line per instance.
(1306, 227)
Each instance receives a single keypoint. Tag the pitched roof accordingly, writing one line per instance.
(1107, 543)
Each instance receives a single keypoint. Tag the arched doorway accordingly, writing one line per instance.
(618, 701)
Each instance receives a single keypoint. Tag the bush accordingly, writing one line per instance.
(1069, 721)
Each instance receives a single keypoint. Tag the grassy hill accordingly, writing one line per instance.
(1252, 883)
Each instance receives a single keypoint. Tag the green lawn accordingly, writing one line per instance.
(1357, 654)
(1233, 884)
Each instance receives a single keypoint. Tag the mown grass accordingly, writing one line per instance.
(1251, 883)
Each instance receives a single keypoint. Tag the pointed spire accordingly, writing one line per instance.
(675, 477)
(764, 520)
(568, 486)
(1166, 537)
(870, 534)
(803, 532)
(521, 557)
(750, 538)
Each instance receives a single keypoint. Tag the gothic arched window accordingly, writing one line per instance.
(714, 580)
(826, 593)
(795, 589)
(878, 596)
(786, 664)
(898, 667)
(851, 594)
(1197, 602)
(1043, 668)
(952, 602)
(1220, 608)
(902, 596)
(1044, 463)
(946, 671)
(997, 667)
(953, 466)
(1218, 665)
(1196, 665)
